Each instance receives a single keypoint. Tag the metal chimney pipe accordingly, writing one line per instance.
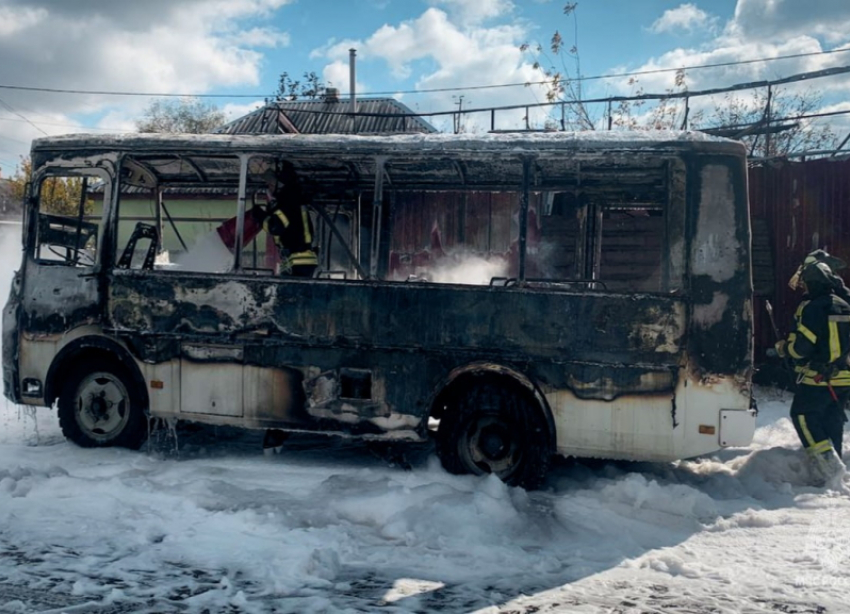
(352, 53)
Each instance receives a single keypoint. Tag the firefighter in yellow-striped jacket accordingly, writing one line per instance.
(819, 346)
(287, 220)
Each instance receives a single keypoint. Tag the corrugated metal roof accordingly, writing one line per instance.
(374, 116)
(267, 120)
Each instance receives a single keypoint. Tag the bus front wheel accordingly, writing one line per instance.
(495, 429)
(100, 406)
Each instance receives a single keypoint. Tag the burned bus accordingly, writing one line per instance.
(512, 296)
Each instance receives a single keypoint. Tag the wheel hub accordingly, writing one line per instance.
(102, 402)
(98, 407)
(492, 447)
(494, 442)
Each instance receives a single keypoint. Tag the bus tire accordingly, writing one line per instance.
(493, 428)
(100, 406)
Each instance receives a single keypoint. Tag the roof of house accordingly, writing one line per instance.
(329, 115)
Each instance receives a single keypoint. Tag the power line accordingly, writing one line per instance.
(636, 73)
(49, 90)
(807, 76)
(776, 120)
(11, 110)
(8, 138)
(817, 74)
(810, 116)
(647, 96)
(12, 119)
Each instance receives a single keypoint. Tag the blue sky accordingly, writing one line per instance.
(610, 33)
(238, 48)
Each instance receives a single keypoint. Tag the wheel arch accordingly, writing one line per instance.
(481, 372)
(83, 349)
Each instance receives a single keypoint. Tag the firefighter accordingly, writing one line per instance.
(819, 346)
(835, 264)
(287, 220)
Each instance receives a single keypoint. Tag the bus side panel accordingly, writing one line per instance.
(587, 328)
(367, 357)
(630, 427)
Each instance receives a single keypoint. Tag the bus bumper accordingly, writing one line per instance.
(737, 427)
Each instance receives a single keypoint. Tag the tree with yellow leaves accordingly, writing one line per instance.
(58, 195)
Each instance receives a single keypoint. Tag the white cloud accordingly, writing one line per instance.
(684, 18)
(116, 120)
(338, 74)
(475, 12)
(759, 29)
(840, 124)
(730, 52)
(261, 37)
(15, 19)
(828, 20)
(168, 46)
(234, 111)
(769, 29)
(458, 55)
(16, 133)
(451, 50)
(124, 119)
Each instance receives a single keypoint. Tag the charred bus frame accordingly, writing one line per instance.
(614, 317)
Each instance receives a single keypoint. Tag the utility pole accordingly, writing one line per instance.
(457, 122)
(767, 152)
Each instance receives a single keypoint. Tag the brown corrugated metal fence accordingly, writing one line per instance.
(800, 206)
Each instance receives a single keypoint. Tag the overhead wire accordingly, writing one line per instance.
(8, 138)
(12, 119)
(9, 108)
(430, 90)
(818, 74)
(666, 95)
(776, 120)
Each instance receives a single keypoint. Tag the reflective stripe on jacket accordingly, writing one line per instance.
(294, 241)
(821, 341)
(307, 257)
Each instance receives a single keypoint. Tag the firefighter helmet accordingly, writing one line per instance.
(817, 277)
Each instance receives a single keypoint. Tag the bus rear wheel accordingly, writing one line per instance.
(100, 406)
(495, 429)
